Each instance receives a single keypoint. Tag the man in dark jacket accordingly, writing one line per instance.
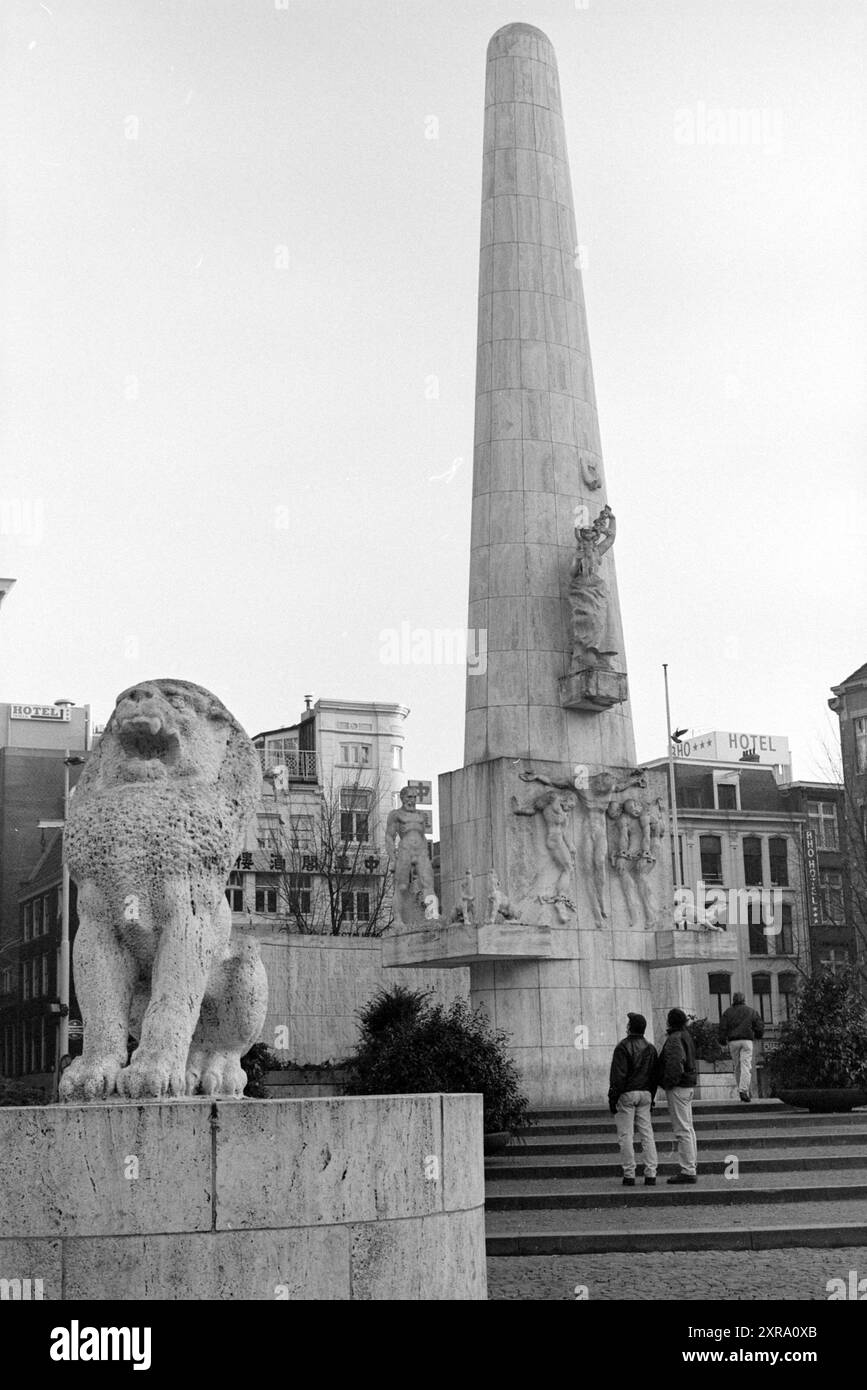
(677, 1074)
(631, 1090)
(738, 1027)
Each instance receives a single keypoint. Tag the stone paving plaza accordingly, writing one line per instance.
(727, 1276)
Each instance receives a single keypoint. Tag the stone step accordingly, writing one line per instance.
(774, 1161)
(718, 1123)
(833, 1234)
(703, 1107)
(531, 1148)
(712, 1189)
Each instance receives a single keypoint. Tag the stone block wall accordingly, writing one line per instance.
(316, 984)
(348, 1198)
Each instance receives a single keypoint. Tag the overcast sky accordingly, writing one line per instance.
(241, 267)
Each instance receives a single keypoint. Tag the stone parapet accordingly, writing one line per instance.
(362, 1197)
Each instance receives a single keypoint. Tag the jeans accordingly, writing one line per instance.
(680, 1108)
(633, 1112)
(741, 1053)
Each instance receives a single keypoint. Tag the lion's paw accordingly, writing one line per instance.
(222, 1075)
(151, 1078)
(89, 1080)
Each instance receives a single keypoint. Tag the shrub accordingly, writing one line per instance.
(705, 1035)
(256, 1062)
(19, 1093)
(410, 1046)
(825, 1044)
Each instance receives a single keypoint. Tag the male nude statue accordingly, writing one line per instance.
(407, 852)
(555, 809)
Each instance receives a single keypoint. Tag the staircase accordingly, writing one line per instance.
(769, 1177)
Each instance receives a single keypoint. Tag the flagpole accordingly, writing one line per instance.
(678, 878)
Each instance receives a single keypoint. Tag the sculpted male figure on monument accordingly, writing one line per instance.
(407, 854)
(156, 823)
(595, 794)
(588, 592)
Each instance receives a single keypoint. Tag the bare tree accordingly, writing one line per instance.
(326, 873)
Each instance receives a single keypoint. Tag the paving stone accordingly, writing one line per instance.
(727, 1276)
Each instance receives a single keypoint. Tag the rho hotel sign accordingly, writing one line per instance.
(59, 714)
(723, 746)
(811, 874)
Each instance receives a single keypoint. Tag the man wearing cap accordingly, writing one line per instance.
(631, 1091)
(677, 1074)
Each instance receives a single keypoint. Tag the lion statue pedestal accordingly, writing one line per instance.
(154, 828)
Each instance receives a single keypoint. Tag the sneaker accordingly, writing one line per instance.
(683, 1178)
(650, 1182)
(628, 1182)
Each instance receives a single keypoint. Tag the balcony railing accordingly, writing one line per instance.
(300, 766)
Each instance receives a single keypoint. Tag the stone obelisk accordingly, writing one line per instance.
(538, 459)
(554, 853)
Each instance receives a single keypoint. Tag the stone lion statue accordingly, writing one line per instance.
(155, 825)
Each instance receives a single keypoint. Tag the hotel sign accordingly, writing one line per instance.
(811, 877)
(58, 714)
(725, 746)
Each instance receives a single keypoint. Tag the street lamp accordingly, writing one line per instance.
(70, 760)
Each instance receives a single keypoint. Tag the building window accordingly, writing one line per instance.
(860, 723)
(45, 970)
(710, 847)
(354, 813)
(266, 893)
(758, 940)
(680, 852)
(300, 894)
(778, 852)
(822, 820)
(720, 987)
(28, 921)
(785, 940)
(25, 979)
(355, 754)
(762, 996)
(788, 985)
(235, 891)
(278, 751)
(302, 832)
(752, 860)
(268, 830)
(397, 757)
(831, 888)
(355, 906)
(35, 977)
(727, 796)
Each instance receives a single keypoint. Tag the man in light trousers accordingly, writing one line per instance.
(738, 1027)
(631, 1093)
(677, 1075)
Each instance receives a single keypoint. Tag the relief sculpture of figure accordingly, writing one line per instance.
(407, 854)
(498, 901)
(637, 830)
(595, 794)
(555, 807)
(588, 592)
(465, 908)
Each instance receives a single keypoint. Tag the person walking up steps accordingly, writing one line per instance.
(738, 1027)
(677, 1075)
(631, 1091)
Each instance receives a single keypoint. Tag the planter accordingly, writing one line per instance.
(497, 1141)
(825, 1100)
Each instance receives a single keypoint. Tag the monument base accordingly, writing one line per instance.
(593, 689)
(357, 1197)
(461, 943)
(693, 948)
